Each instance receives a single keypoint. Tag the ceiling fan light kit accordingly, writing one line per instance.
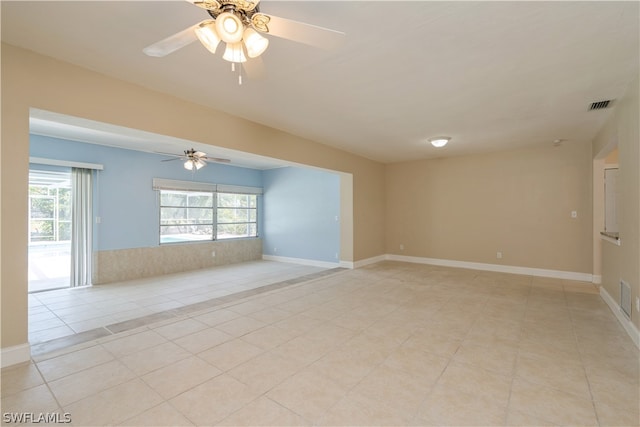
(208, 36)
(233, 23)
(193, 163)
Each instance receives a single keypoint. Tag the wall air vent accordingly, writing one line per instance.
(600, 105)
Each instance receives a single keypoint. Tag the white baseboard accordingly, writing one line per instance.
(528, 271)
(15, 355)
(302, 261)
(347, 264)
(628, 326)
(369, 261)
(597, 279)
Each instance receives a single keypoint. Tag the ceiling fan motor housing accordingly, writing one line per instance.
(248, 13)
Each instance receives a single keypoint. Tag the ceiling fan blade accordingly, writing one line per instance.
(308, 34)
(170, 160)
(172, 43)
(215, 159)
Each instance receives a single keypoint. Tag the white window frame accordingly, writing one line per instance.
(187, 208)
(160, 184)
(248, 222)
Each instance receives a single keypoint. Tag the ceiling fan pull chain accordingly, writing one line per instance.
(233, 69)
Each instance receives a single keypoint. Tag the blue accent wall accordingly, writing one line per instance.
(124, 198)
(300, 210)
(297, 213)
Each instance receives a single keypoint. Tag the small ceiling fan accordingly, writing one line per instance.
(240, 24)
(194, 160)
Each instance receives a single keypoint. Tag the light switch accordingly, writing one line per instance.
(574, 214)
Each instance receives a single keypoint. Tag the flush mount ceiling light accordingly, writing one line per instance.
(239, 24)
(439, 141)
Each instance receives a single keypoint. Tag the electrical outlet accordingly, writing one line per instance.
(213, 254)
(402, 247)
(499, 255)
(574, 214)
(275, 250)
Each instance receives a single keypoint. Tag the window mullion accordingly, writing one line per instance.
(214, 230)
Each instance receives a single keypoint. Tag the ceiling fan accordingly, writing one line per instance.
(194, 160)
(240, 25)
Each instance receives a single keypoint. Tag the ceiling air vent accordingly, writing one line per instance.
(600, 105)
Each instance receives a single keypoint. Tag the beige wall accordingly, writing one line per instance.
(518, 202)
(464, 208)
(623, 262)
(32, 80)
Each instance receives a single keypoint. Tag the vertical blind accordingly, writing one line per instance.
(81, 226)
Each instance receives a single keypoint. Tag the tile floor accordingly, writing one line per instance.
(49, 265)
(68, 311)
(388, 344)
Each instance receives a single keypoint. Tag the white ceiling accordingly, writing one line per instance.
(492, 75)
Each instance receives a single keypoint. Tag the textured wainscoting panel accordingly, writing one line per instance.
(136, 263)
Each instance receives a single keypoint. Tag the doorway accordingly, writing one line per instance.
(49, 228)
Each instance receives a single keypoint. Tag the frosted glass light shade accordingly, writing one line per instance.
(190, 164)
(229, 27)
(234, 53)
(208, 36)
(439, 141)
(254, 42)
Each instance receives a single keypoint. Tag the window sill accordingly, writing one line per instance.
(195, 242)
(610, 237)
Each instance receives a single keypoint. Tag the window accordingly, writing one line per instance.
(237, 215)
(187, 216)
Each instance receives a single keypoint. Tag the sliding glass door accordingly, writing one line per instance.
(49, 229)
(60, 227)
